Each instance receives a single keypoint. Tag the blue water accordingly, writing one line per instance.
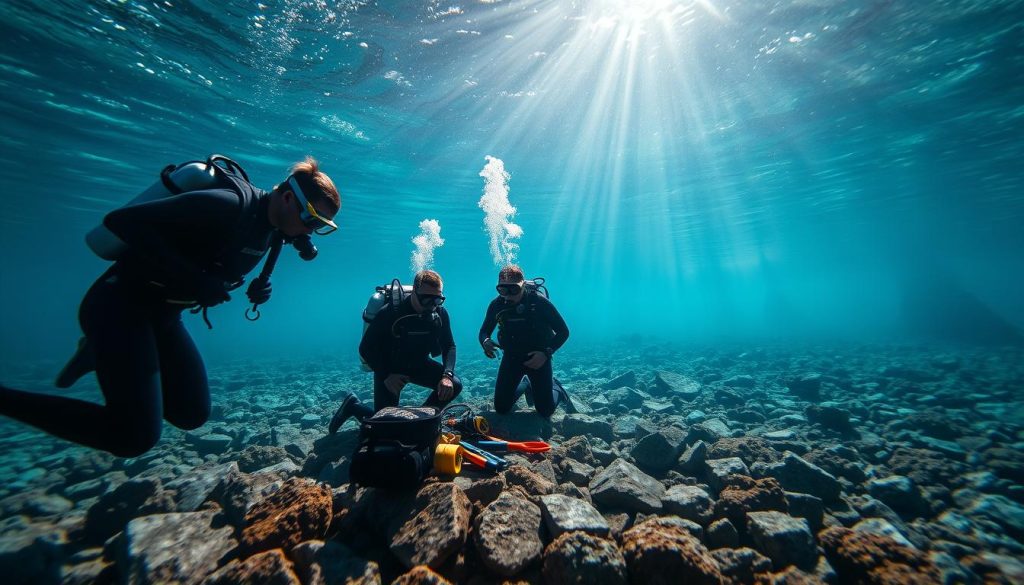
(689, 171)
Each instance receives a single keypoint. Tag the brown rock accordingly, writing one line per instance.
(582, 559)
(507, 535)
(532, 483)
(484, 491)
(267, 568)
(926, 467)
(872, 559)
(663, 553)
(299, 511)
(421, 575)
(791, 576)
(437, 531)
(743, 494)
(749, 449)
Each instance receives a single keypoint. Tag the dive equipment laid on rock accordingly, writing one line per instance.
(396, 447)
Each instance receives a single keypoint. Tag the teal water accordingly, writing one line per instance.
(692, 171)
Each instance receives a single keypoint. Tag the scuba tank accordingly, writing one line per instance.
(536, 285)
(389, 294)
(174, 180)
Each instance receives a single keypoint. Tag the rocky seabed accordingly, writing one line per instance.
(839, 465)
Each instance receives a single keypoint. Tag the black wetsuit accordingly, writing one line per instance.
(532, 324)
(400, 341)
(146, 363)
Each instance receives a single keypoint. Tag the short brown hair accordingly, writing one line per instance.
(427, 277)
(511, 273)
(316, 183)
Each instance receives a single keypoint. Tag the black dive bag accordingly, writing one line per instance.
(396, 447)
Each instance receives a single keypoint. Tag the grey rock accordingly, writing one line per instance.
(331, 563)
(1001, 510)
(95, 487)
(740, 565)
(565, 514)
(720, 469)
(658, 452)
(742, 381)
(783, 539)
(193, 487)
(952, 572)
(507, 534)
(806, 386)
(722, 534)
(695, 417)
(577, 473)
(692, 460)
(627, 379)
(31, 555)
(783, 435)
(882, 527)
(310, 420)
(625, 398)
(808, 507)
(689, 502)
(623, 485)
(798, 475)
(829, 417)
(582, 424)
(672, 384)
(899, 493)
(209, 444)
(173, 548)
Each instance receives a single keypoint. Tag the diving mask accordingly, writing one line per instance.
(310, 218)
(430, 301)
(509, 290)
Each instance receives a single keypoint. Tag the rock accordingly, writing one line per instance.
(743, 494)
(722, 534)
(925, 467)
(783, 539)
(829, 417)
(662, 553)
(710, 430)
(209, 444)
(808, 507)
(882, 527)
(564, 514)
(658, 452)
(995, 568)
(692, 460)
(797, 475)
(899, 493)
(255, 457)
(625, 399)
(623, 485)
(749, 449)
(299, 511)
(582, 424)
(577, 473)
(689, 502)
(672, 384)
(581, 558)
(720, 469)
(806, 386)
(869, 558)
(532, 483)
(193, 487)
(95, 487)
(782, 435)
(1001, 510)
(31, 554)
(332, 563)
(438, 530)
(267, 568)
(576, 448)
(545, 469)
(741, 564)
(627, 379)
(135, 497)
(507, 534)
(173, 548)
(420, 575)
(238, 492)
(484, 491)
(743, 381)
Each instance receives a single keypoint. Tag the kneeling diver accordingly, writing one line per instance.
(179, 252)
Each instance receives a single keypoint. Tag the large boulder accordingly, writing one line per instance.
(507, 535)
(437, 530)
(131, 499)
(566, 514)
(301, 510)
(173, 548)
(659, 451)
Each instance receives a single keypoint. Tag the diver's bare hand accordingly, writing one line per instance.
(445, 389)
(489, 347)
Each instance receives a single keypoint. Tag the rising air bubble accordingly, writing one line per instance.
(426, 242)
(498, 212)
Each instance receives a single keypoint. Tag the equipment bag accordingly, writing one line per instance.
(396, 447)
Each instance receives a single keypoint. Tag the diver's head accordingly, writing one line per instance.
(427, 291)
(510, 283)
(306, 202)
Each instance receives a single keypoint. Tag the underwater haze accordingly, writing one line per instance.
(786, 237)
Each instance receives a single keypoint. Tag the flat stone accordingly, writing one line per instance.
(720, 469)
(565, 514)
(689, 502)
(783, 435)
(209, 444)
(507, 534)
(173, 548)
(582, 424)
(627, 379)
(672, 384)
(882, 527)
(798, 475)
(742, 381)
(783, 539)
(623, 485)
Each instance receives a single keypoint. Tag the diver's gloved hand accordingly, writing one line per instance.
(258, 291)
(210, 291)
(489, 347)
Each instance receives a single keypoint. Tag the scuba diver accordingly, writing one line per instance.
(530, 331)
(175, 248)
(397, 347)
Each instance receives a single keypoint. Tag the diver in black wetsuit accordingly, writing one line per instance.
(182, 252)
(397, 346)
(530, 331)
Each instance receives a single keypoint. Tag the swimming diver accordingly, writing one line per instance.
(184, 251)
(530, 331)
(397, 346)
